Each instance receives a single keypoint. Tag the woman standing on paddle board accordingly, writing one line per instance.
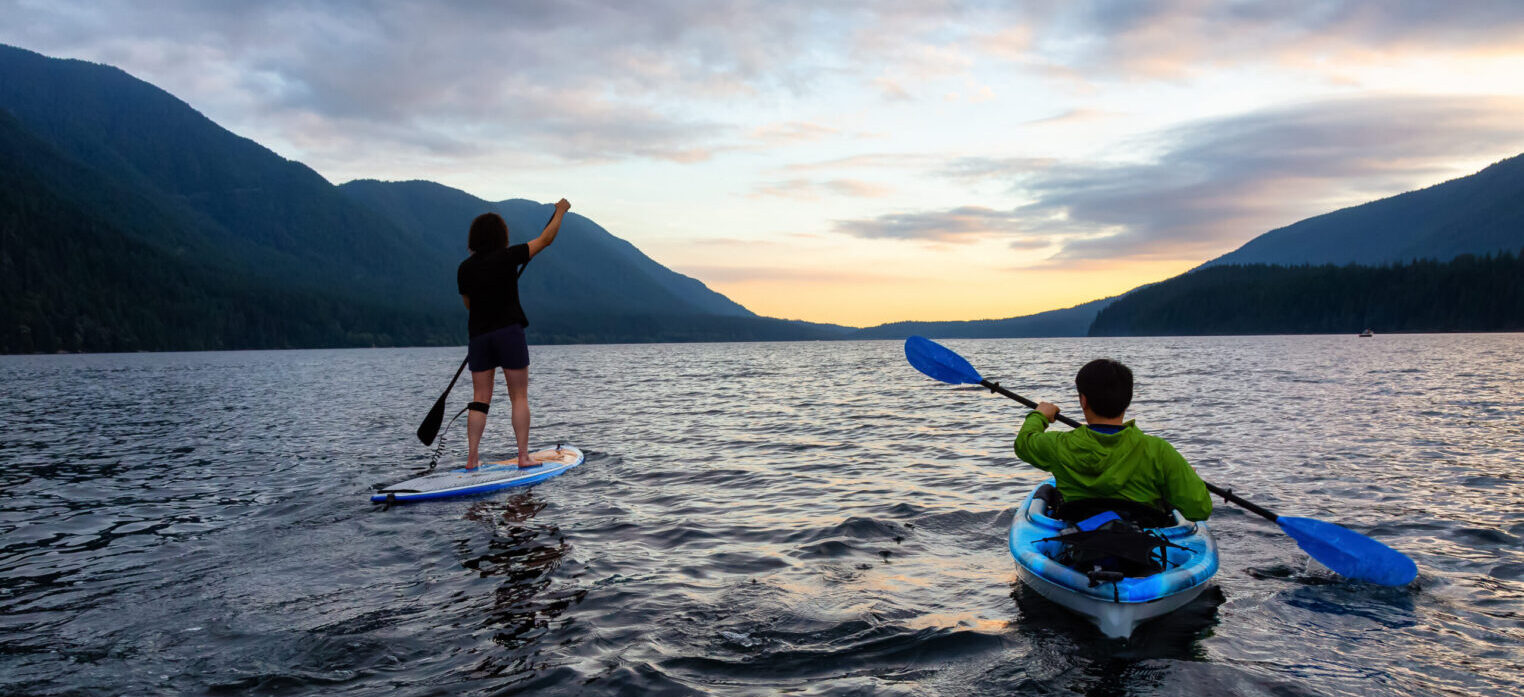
(489, 285)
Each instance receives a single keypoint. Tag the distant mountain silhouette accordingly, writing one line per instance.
(133, 222)
(1070, 321)
(1477, 214)
(587, 270)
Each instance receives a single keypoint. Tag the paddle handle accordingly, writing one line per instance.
(1226, 494)
(995, 387)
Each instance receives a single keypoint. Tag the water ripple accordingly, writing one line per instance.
(753, 518)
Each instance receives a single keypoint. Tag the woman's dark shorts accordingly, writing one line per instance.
(499, 348)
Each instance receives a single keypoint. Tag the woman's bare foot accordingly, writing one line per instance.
(526, 463)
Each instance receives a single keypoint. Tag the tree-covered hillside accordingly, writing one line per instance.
(1466, 294)
(76, 278)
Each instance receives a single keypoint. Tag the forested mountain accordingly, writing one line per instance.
(220, 197)
(77, 274)
(1477, 214)
(1468, 293)
(132, 222)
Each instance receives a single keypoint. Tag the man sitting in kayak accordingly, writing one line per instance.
(1110, 458)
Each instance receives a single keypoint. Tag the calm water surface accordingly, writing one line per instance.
(813, 518)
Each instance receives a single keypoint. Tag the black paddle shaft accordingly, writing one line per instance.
(1226, 494)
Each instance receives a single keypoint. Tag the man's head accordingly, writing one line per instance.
(488, 232)
(1106, 386)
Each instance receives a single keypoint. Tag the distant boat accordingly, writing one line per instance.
(1367, 333)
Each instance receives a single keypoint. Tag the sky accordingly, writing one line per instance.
(856, 162)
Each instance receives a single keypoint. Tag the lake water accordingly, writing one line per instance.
(815, 518)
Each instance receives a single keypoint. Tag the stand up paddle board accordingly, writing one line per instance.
(490, 476)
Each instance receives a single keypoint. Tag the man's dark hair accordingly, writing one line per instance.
(1107, 386)
(488, 232)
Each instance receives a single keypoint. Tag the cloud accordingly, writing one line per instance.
(583, 82)
(793, 275)
(1216, 183)
(811, 189)
(1174, 38)
(901, 161)
(979, 168)
(348, 85)
(793, 132)
(1074, 116)
(963, 224)
(594, 81)
(892, 90)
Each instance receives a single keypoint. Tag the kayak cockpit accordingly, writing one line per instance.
(1115, 602)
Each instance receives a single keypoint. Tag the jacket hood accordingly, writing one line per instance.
(1104, 462)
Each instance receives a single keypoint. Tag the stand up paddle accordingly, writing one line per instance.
(431, 421)
(1345, 551)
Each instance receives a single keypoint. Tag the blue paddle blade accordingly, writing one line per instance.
(1349, 553)
(939, 362)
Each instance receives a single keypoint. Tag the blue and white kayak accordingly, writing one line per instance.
(1116, 607)
(490, 476)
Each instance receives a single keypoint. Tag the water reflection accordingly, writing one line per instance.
(525, 554)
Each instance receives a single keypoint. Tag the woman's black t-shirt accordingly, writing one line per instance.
(490, 280)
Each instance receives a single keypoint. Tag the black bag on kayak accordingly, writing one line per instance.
(1115, 546)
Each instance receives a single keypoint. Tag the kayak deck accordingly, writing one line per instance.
(1115, 607)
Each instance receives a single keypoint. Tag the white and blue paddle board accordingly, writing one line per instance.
(489, 476)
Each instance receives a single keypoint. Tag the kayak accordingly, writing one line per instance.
(490, 476)
(1116, 604)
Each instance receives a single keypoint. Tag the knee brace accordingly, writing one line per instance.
(479, 406)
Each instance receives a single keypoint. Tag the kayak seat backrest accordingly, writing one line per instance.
(1144, 515)
(1038, 515)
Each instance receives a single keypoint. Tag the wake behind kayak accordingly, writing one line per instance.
(486, 478)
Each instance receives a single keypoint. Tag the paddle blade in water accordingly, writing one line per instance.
(1349, 553)
(939, 362)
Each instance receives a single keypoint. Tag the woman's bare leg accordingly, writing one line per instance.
(518, 394)
(476, 422)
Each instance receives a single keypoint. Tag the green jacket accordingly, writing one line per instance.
(1128, 465)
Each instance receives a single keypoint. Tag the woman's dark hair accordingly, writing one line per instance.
(488, 232)
(1107, 386)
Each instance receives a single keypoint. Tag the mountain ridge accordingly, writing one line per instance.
(1479, 213)
(261, 245)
